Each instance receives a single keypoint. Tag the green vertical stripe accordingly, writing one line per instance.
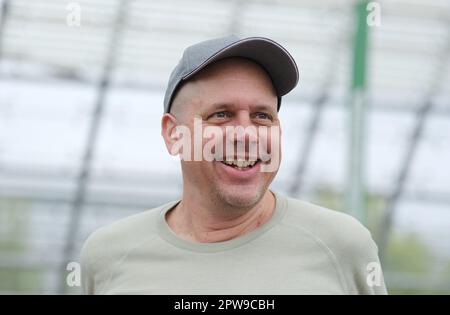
(360, 46)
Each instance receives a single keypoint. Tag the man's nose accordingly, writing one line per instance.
(244, 131)
(243, 119)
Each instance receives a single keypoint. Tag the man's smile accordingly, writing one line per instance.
(239, 170)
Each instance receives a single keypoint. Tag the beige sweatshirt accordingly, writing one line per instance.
(302, 249)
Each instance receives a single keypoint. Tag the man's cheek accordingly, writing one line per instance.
(271, 150)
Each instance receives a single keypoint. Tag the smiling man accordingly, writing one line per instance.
(229, 233)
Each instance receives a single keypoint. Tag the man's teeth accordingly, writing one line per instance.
(240, 163)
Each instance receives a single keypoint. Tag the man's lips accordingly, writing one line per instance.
(238, 173)
(240, 163)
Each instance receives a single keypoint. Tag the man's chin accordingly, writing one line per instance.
(241, 197)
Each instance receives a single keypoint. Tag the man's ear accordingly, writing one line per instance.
(168, 131)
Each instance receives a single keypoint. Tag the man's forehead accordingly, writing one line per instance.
(228, 83)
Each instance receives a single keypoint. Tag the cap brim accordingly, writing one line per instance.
(276, 60)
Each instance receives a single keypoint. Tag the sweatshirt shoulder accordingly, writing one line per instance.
(129, 229)
(346, 241)
(107, 245)
(332, 227)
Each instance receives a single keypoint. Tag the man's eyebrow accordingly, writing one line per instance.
(264, 107)
(260, 106)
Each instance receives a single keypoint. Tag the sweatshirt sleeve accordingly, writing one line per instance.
(95, 263)
(368, 272)
(360, 262)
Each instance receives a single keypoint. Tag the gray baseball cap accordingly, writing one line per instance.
(270, 55)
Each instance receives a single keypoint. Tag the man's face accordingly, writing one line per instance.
(230, 93)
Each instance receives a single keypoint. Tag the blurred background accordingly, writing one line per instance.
(367, 130)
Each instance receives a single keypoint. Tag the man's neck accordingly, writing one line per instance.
(197, 222)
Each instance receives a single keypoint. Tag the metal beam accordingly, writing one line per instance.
(236, 17)
(307, 99)
(422, 115)
(317, 107)
(91, 142)
(118, 198)
(356, 154)
(3, 18)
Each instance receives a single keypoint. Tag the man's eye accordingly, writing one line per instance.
(263, 116)
(220, 115)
